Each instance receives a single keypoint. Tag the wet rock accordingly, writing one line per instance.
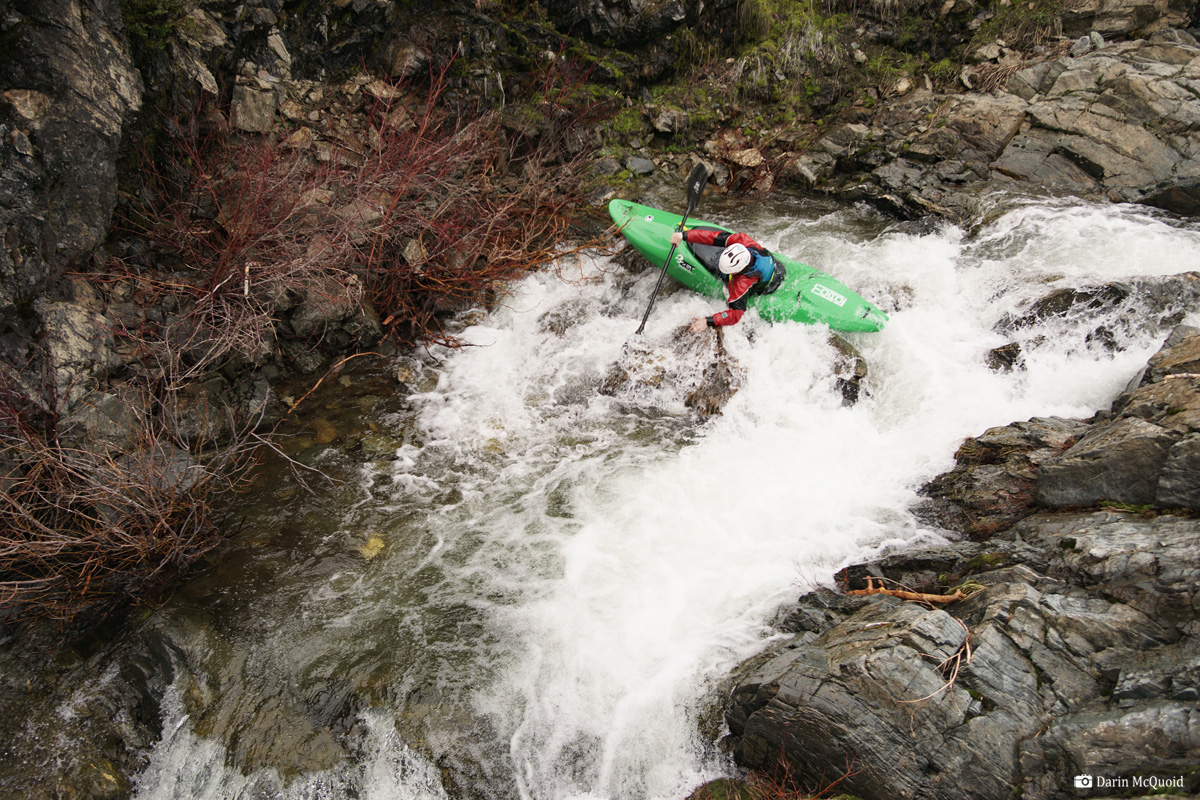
(692, 370)
(850, 368)
(1179, 356)
(1145, 454)
(414, 375)
(1077, 657)
(996, 478)
(1119, 462)
(107, 713)
(1005, 358)
(1119, 309)
(1074, 634)
(202, 416)
(1177, 484)
(724, 789)
(564, 317)
(1142, 453)
(718, 383)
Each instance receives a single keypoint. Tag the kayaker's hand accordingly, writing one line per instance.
(699, 324)
(676, 238)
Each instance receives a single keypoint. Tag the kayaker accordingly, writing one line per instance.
(744, 265)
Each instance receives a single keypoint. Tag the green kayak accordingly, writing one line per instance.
(800, 293)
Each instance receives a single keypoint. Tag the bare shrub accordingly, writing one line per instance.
(398, 202)
(779, 783)
(84, 528)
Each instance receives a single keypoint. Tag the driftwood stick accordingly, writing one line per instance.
(920, 597)
(335, 368)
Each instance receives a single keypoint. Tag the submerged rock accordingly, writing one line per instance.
(1117, 309)
(692, 370)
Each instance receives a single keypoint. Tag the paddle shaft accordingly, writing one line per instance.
(661, 276)
(696, 183)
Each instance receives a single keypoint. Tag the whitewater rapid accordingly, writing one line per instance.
(568, 576)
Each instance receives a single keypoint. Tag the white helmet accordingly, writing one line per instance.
(734, 259)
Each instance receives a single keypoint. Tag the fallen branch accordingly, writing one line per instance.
(960, 593)
(332, 371)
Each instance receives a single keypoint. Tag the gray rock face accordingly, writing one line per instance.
(70, 91)
(1082, 640)
(1113, 17)
(623, 21)
(996, 478)
(79, 350)
(1120, 462)
(1145, 452)
(1113, 123)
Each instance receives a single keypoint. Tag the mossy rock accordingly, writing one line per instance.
(724, 789)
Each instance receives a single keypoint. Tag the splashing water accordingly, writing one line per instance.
(566, 577)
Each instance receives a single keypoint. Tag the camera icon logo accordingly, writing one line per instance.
(1083, 781)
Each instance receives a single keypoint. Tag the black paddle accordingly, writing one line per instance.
(695, 188)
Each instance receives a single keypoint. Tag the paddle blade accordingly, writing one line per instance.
(695, 187)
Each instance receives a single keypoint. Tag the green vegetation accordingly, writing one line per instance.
(150, 23)
(1022, 25)
(986, 561)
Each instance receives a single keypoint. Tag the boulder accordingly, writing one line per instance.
(693, 371)
(995, 481)
(1064, 644)
(1081, 638)
(1120, 463)
(1146, 453)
